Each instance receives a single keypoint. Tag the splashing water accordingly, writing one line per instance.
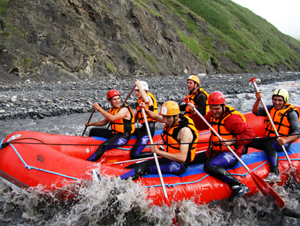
(117, 202)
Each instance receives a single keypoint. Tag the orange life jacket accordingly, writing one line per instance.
(219, 126)
(193, 96)
(151, 108)
(171, 143)
(281, 121)
(122, 125)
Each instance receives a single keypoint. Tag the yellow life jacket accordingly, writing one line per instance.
(281, 121)
(151, 108)
(193, 96)
(171, 143)
(219, 126)
(122, 125)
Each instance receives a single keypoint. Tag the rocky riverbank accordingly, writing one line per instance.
(39, 100)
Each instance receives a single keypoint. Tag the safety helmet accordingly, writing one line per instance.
(144, 85)
(169, 108)
(112, 93)
(194, 78)
(216, 98)
(283, 93)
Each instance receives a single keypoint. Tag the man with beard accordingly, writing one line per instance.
(197, 96)
(286, 120)
(235, 132)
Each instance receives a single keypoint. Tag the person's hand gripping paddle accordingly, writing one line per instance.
(157, 165)
(260, 183)
(293, 169)
(93, 111)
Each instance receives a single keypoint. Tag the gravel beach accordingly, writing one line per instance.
(19, 100)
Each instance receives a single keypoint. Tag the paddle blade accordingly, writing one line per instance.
(266, 189)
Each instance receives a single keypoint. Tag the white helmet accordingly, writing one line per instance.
(144, 85)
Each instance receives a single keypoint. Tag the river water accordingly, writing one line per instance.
(123, 202)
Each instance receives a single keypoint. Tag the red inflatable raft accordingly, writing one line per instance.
(53, 162)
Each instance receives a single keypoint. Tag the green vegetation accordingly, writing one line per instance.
(243, 36)
(217, 32)
(143, 4)
(8, 30)
(138, 54)
(3, 6)
(109, 66)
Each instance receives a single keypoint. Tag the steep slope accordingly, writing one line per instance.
(103, 39)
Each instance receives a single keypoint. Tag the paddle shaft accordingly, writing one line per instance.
(261, 184)
(143, 159)
(128, 95)
(215, 132)
(88, 121)
(271, 121)
(155, 156)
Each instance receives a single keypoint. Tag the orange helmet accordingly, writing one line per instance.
(169, 108)
(194, 78)
(216, 98)
(112, 93)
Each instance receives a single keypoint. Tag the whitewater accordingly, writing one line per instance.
(119, 202)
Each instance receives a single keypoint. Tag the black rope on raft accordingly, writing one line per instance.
(202, 142)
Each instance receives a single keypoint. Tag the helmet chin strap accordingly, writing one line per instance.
(223, 109)
(174, 121)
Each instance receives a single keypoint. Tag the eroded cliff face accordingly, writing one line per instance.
(91, 39)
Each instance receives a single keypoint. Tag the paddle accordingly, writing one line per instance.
(155, 156)
(157, 164)
(88, 121)
(295, 169)
(260, 183)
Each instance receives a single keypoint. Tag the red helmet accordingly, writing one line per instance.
(216, 98)
(112, 93)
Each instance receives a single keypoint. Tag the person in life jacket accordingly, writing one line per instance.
(121, 119)
(286, 120)
(141, 92)
(231, 126)
(197, 95)
(179, 143)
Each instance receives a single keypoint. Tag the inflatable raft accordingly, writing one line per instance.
(53, 163)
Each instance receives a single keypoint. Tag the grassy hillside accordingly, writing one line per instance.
(248, 37)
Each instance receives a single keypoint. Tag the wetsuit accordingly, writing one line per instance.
(218, 158)
(172, 145)
(286, 121)
(119, 134)
(141, 133)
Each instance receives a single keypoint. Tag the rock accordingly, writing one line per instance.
(60, 99)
